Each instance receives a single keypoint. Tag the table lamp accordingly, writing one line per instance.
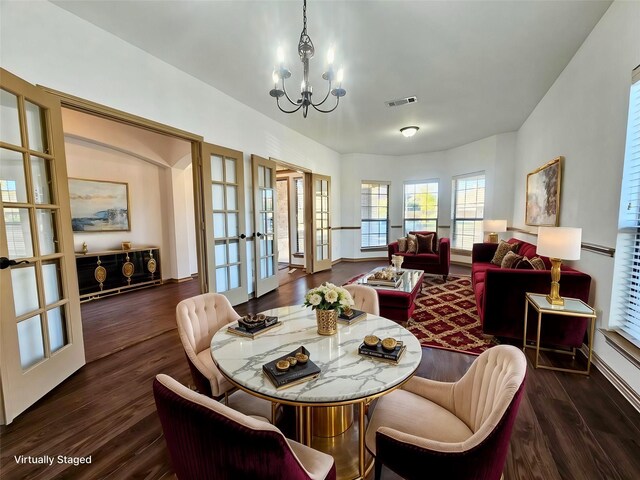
(558, 243)
(494, 227)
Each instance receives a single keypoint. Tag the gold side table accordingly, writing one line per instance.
(572, 307)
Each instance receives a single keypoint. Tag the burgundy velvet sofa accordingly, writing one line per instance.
(436, 263)
(500, 297)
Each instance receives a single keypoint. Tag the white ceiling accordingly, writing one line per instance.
(478, 68)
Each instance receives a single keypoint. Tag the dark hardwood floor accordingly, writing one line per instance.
(568, 427)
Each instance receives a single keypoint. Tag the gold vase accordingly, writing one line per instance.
(327, 322)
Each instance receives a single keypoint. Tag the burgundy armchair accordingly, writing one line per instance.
(461, 430)
(207, 439)
(436, 263)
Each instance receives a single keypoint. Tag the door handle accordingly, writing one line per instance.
(6, 263)
(243, 236)
(259, 235)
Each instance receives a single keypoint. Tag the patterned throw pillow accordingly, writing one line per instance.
(524, 264)
(538, 263)
(402, 244)
(436, 243)
(412, 244)
(425, 243)
(502, 250)
(511, 260)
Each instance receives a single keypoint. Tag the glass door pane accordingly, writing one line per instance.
(266, 249)
(224, 204)
(321, 222)
(39, 301)
(9, 119)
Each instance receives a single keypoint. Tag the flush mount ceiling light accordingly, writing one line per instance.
(409, 131)
(306, 52)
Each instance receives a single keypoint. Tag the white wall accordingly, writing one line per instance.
(583, 117)
(148, 219)
(74, 56)
(493, 155)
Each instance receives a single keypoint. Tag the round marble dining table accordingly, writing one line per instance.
(345, 376)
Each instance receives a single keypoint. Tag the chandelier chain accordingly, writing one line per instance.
(304, 17)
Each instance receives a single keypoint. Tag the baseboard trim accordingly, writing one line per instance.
(462, 264)
(623, 387)
(357, 260)
(179, 280)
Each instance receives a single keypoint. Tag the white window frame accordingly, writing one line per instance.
(370, 218)
(460, 240)
(624, 317)
(406, 220)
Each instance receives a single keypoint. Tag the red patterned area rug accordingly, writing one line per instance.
(446, 316)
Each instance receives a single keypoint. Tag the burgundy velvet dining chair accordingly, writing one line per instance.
(455, 430)
(208, 440)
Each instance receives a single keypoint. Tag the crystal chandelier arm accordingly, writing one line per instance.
(327, 111)
(288, 111)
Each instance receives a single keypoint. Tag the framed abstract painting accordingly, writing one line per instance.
(99, 206)
(543, 194)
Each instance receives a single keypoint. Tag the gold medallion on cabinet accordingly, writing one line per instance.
(152, 265)
(100, 273)
(128, 269)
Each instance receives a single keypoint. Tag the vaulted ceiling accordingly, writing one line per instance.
(477, 68)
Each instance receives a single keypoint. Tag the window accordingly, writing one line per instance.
(421, 206)
(299, 193)
(625, 303)
(374, 212)
(468, 210)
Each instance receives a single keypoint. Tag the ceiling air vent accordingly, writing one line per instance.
(401, 101)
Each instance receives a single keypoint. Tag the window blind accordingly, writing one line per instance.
(420, 206)
(468, 210)
(374, 214)
(627, 269)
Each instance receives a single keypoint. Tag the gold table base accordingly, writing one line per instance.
(331, 421)
(334, 430)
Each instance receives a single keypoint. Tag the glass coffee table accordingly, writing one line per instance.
(396, 303)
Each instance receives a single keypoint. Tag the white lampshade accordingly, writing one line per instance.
(559, 242)
(494, 226)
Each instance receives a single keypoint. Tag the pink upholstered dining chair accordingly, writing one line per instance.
(207, 439)
(364, 298)
(198, 319)
(455, 430)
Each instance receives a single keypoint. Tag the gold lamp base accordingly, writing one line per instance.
(493, 238)
(554, 297)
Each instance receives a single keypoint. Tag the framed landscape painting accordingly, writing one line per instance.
(99, 206)
(543, 195)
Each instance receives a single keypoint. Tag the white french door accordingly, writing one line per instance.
(223, 192)
(264, 209)
(321, 238)
(40, 321)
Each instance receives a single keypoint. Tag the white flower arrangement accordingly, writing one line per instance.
(328, 297)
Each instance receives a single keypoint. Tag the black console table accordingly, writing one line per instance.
(115, 271)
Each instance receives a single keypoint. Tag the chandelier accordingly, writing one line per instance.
(281, 73)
